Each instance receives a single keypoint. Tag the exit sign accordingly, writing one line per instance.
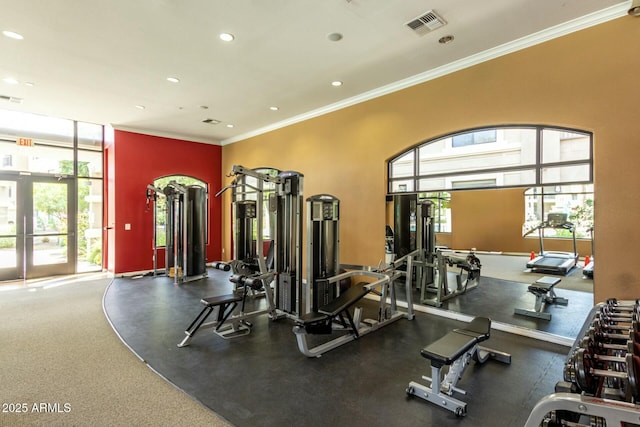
(25, 142)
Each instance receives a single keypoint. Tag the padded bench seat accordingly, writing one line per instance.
(542, 289)
(320, 322)
(450, 347)
(455, 349)
(220, 300)
(344, 301)
(543, 284)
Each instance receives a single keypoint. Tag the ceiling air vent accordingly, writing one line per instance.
(11, 99)
(426, 23)
(211, 121)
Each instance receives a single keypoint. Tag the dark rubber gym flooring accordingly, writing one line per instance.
(263, 380)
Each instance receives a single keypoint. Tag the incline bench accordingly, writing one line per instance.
(455, 350)
(544, 293)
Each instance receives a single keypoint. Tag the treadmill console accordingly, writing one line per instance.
(556, 219)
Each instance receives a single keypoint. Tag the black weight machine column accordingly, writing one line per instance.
(244, 248)
(291, 298)
(185, 256)
(322, 248)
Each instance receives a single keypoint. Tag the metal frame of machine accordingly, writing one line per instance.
(291, 297)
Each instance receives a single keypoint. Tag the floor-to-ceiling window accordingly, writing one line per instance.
(50, 196)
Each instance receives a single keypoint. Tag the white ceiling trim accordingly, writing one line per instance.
(165, 134)
(569, 27)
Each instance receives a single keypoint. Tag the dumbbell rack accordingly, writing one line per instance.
(601, 384)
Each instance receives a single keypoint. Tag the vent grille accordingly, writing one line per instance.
(211, 121)
(11, 99)
(426, 23)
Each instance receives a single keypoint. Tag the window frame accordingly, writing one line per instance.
(412, 182)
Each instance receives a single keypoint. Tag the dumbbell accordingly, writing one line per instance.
(603, 347)
(608, 311)
(601, 325)
(596, 333)
(588, 376)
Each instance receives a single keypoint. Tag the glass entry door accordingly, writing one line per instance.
(37, 220)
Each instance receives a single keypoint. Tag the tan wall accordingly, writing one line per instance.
(491, 220)
(587, 80)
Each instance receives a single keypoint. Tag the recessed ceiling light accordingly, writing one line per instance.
(173, 79)
(229, 125)
(445, 39)
(334, 37)
(10, 80)
(336, 83)
(140, 107)
(13, 35)
(226, 37)
(274, 108)
(30, 84)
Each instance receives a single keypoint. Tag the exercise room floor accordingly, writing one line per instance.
(263, 380)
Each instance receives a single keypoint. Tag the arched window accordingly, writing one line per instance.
(161, 207)
(498, 157)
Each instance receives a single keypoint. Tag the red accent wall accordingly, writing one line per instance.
(138, 160)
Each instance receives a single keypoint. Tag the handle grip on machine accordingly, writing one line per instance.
(221, 266)
(252, 282)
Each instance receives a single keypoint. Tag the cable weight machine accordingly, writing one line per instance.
(185, 249)
(285, 207)
(415, 238)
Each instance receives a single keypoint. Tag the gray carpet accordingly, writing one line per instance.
(63, 365)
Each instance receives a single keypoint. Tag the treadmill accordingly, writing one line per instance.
(554, 262)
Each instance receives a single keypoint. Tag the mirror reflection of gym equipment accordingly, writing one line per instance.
(414, 231)
(554, 262)
(587, 270)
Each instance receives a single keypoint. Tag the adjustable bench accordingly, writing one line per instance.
(544, 293)
(455, 350)
(224, 304)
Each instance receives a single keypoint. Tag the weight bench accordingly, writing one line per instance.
(544, 293)
(223, 304)
(455, 350)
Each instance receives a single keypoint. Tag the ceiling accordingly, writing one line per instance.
(101, 61)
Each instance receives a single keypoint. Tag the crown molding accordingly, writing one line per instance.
(551, 33)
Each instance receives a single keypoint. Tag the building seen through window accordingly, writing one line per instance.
(51, 182)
